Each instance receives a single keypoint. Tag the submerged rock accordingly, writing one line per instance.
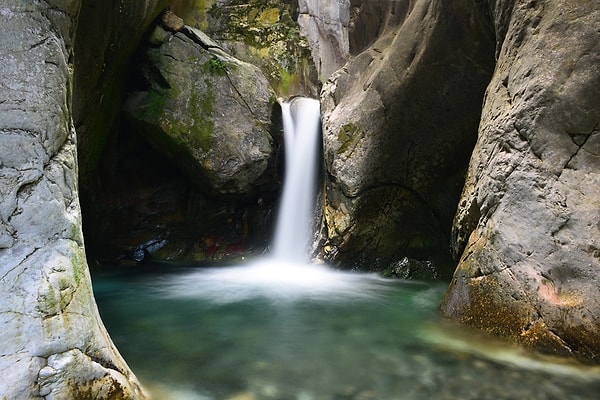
(207, 111)
(399, 122)
(527, 230)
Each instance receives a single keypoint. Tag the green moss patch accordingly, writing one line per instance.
(348, 135)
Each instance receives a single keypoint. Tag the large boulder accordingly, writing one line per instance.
(399, 123)
(53, 342)
(527, 230)
(207, 111)
(191, 174)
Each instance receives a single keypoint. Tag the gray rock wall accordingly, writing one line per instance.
(399, 122)
(528, 226)
(53, 344)
(326, 25)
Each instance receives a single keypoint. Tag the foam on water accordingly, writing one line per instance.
(276, 280)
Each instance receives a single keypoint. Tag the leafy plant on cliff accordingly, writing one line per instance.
(217, 66)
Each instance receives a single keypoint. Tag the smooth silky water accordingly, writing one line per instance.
(280, 328)
(228, 334)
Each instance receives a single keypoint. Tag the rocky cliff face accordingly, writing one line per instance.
(527, 230)
(399, 122)
(326, 25)
(53, 342)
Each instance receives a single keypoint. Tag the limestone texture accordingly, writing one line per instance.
(527, 229)
(399, 123)
(326, 26)
(52, 342)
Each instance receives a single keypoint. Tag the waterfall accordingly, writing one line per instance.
(302, 129)
(287, 273)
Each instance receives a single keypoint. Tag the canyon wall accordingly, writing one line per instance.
(53, 343)
(403, 83)
(527, 230)
(399, 122)
(108, 36)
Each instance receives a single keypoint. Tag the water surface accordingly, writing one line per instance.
(304, 332)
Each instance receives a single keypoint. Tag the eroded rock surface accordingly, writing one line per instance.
(399, 122)
(527, 229)
(53, 343)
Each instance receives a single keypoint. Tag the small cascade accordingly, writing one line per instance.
(302, 130)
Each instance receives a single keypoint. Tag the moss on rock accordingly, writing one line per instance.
(261, 32)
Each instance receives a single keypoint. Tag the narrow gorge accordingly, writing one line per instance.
(459, 183)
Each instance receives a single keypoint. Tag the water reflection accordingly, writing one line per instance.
(254, 333)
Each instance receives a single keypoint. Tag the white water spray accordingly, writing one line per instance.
(286, 274)
(302, 128)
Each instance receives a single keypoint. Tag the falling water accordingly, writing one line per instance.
(286, 274)
(302, 128)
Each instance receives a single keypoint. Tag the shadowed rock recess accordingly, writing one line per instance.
(527, 230)
(189, 171)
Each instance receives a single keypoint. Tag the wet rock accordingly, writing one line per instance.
(411, 269)
(399, 122)
(527, 230)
